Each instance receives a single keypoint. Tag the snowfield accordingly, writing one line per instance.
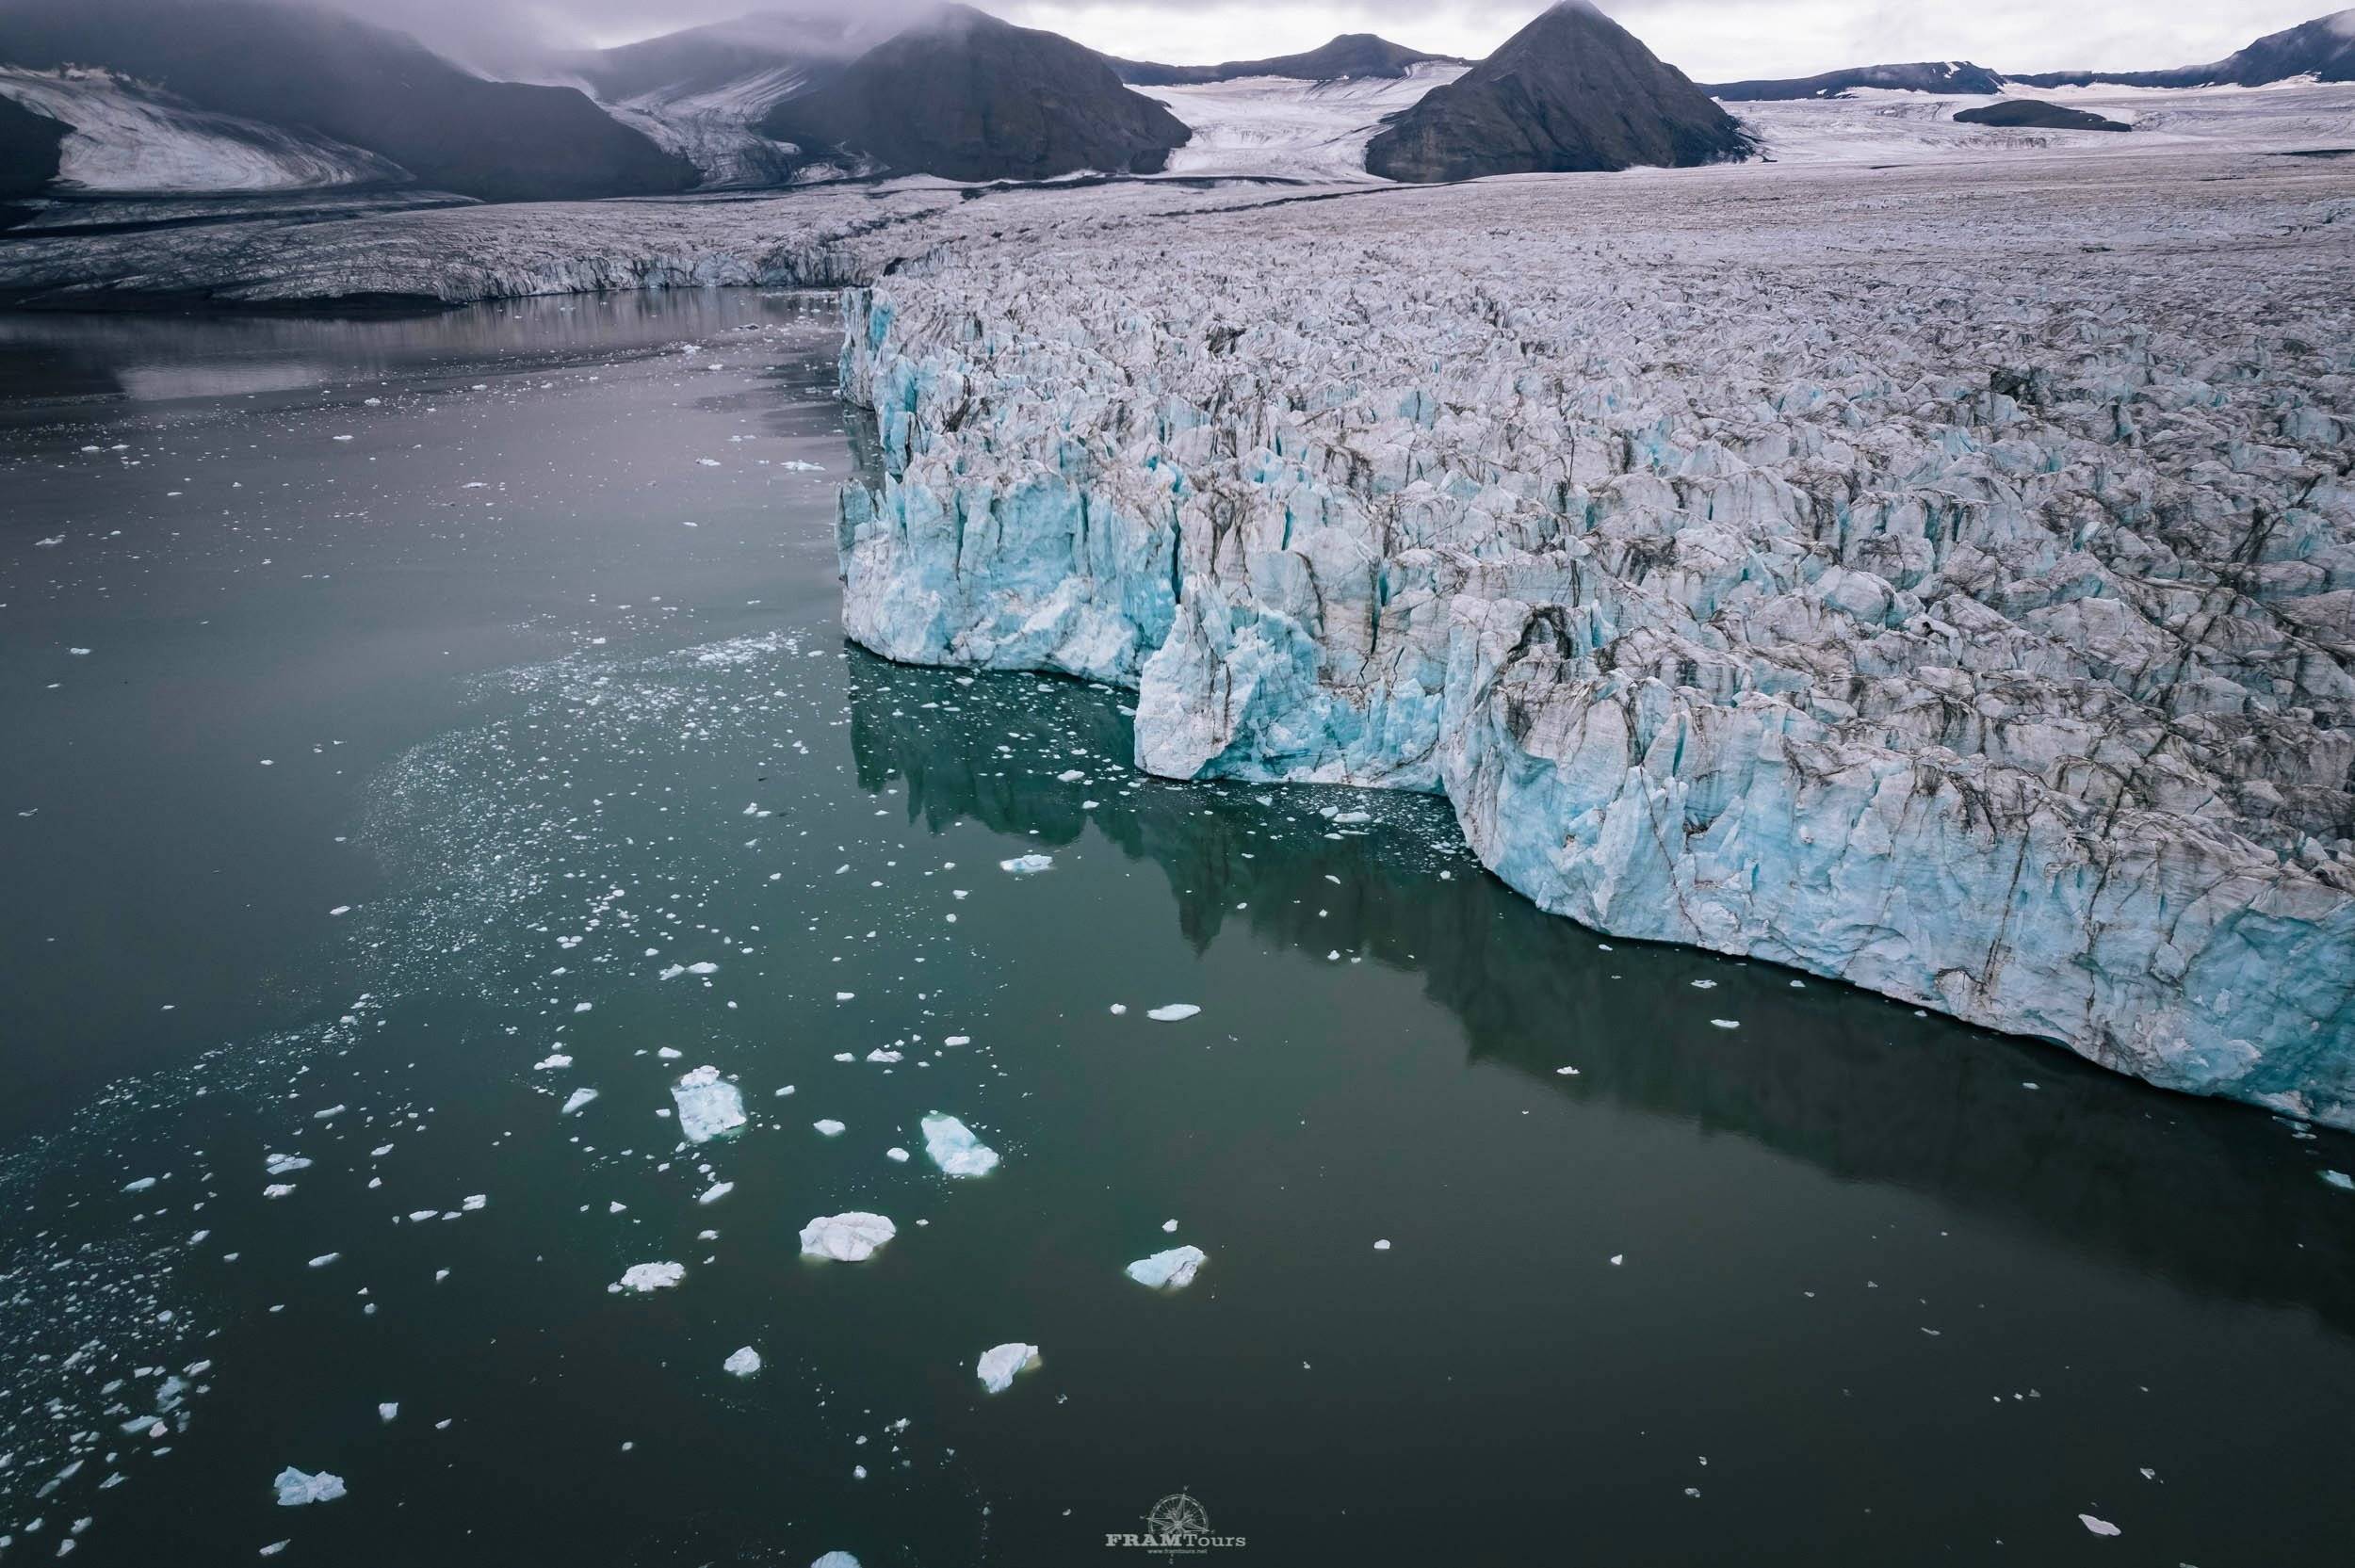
(1286, 128)
(129, 138)
(1876, 126)
(1941, 579)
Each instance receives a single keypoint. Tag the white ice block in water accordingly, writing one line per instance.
(851, 1238)
(1170, 1270)
(644, 1278)
(743, 1362)
(580, 1098)
(1027, 865)
(1175, 1013)
(835, 1559)
(951, 1144)
(708, 1105)
(296, 1489)
(999, 1362)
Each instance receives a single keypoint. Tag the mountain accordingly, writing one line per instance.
(2036, 115)
(1349, 55)
(969, 97)
(1957, 77)
(28, 150)
(1573, 90)
(2323, 49)
(325, 73)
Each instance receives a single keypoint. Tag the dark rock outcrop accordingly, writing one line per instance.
(1960, 76)
(2033, 114)
(325, 72)
(2323, 49)
(28, 150)
(1348, 56)
(965, 96)
(1572, 91)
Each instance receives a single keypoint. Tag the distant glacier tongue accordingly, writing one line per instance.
(1972, 622)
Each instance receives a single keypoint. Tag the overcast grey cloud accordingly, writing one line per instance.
(1710, 39)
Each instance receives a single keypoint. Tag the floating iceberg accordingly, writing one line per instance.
(643, 1279)
(745, 1362)
(951, 1144)
(579, 1098)
(1175, 1013)
(1027, 865)
(298, 1489)
(846, 1238)
(1170, 1270)
(999, 1362)
(708, 1105)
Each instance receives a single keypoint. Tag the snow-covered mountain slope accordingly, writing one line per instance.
(129, 138)
(714, 129)
(1945, 581)
(1873, 127)
(1286, 127)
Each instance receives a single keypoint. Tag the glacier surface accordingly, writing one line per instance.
(1942, 581)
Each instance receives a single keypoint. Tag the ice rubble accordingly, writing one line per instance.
(708, 1105)
(1970, 620)
(999, 1362)
(1170, 1270)
(851, 1238)
(951, 1144)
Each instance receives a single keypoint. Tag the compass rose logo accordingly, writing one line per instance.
(1177, 1526)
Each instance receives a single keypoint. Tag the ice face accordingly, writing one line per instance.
(2004, 671)
(708, 1105)
(999, 1362)
(298, 1489)
(1170, 1270)
(951, 1144)
(846, 1238)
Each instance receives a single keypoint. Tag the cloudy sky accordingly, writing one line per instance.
(1710, 39)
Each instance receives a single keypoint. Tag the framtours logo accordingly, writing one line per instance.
(1176, 1527)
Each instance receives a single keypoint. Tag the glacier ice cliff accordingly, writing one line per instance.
(1942, 581)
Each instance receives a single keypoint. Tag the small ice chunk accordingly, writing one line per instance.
(835, 1559)
(324, 1259)
(475, 1202)
(951, 1144)
(549, 1063)
(1381, 1246)
(285, 1165)
(645, 1278)
(1170, 1270)
(716, 1192)
(296, 1489)
(2099, 1527)
(140, 1186)
(388, 1413)
(742, 1364)
(708, 1105)
(580, 1098)
(828, 1127)
(1170, 1226)
(897, 1156)
(958, 1039)
(999, 1362)
(846, 1238)
(2340, 1179)
(1173, 1013)
(1726, 1022)
(1027, 865)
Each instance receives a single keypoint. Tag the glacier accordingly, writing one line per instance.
(1941, 581)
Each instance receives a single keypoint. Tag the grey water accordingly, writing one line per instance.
(392, 711)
